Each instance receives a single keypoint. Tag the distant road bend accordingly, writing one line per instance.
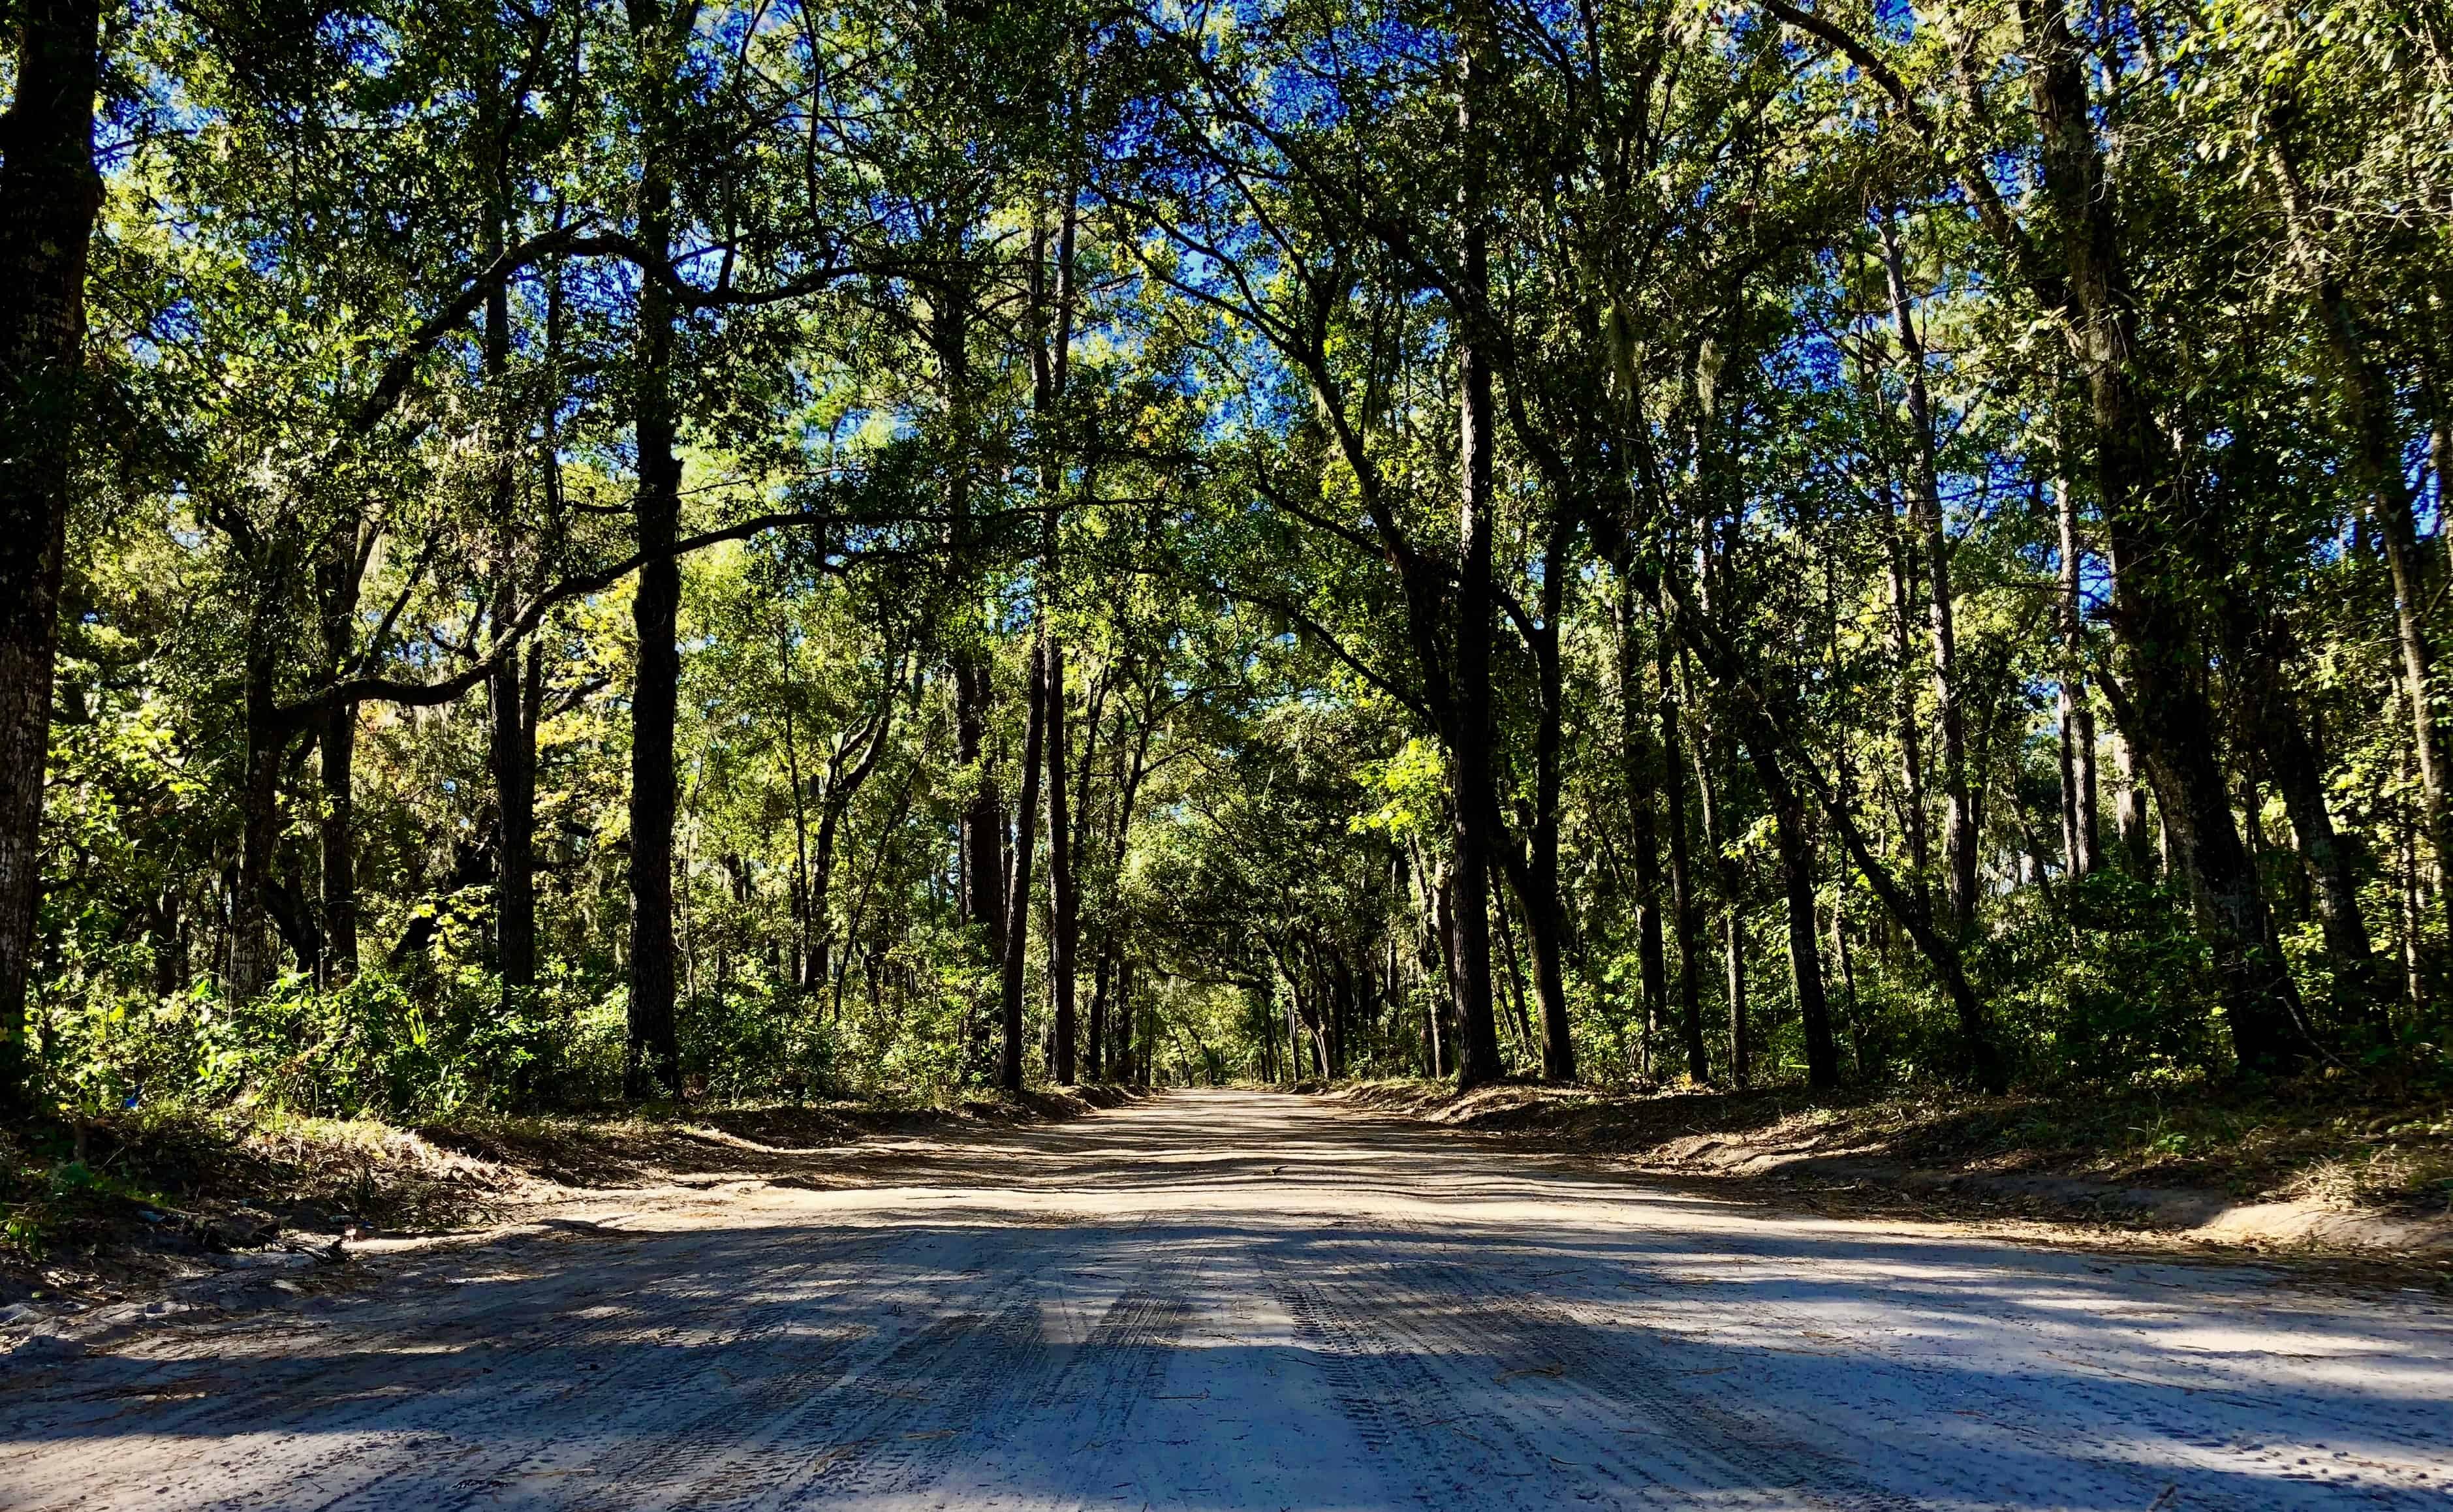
(1230, 1300)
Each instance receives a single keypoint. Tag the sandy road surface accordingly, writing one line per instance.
(1226, 1299)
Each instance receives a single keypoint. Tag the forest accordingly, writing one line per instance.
(557, 553)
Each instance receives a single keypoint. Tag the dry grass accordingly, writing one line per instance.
(147, 1197)
(2386, 1148)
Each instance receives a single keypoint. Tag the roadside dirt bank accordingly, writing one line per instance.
(169, 1213)
(2319, 1187)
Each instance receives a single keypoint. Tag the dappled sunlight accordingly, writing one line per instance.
(1238, 1300)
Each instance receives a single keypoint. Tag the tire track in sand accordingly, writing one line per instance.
(1508, 1369)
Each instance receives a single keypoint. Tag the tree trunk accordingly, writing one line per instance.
(1682, 889)
(2129, 810)
(337, 840)
(2154, 544)
(1796, 850)
(48, 194)
(807, 977)
(338, 575)
(982, 900)
(253, 953)
(1064, 900)
(1052, 360)
(1025, 843)
(2298, 768)
(2077, 715)
(1124, 1061)
(1925, 507)
(1903, 713)
(653, 1053)
(1093, 1041)
(514, 696)
(2367, 402)
(1477, 800)
(983, 815)
(1733, 953)
(820, 886)
(1640, 770)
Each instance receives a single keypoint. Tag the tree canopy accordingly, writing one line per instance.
(561, 550)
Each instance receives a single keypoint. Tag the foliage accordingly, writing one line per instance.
(1142, 337)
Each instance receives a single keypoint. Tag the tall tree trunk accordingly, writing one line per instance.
(983, 815)
(1124, 1062)
(2298, 768)
(1925, 507)
(1093, 1041)
(337, 744)
(653, 1057)
(1477, 799)
(2078, 827)
(2367, 401)
(1064, 900)
(982, 900)
(1765, 729)
(253, 950)
(1681, 884)
(1536, 876)
(48, 194)
(2129, 810)
(2154, 546)
(1052, 360)
(1640, 770)
(1796, 849)
(2414, 980)
(1733, 931)
(1904, 712)
(512, 702)
(804, 979)
(1018, 917)
(821, 885)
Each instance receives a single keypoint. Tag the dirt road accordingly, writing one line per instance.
(1231, 1299)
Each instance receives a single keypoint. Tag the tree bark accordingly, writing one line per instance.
(1682, 889)
(2129, 810)
(2298, 768)
(1726, 873)
(1025, 844)
(49, 195)
(1640, 770)
(982, 900)
(983, 815)
(2367, 401)
(2078, 829)
(252, 952)
(1924, 509)
(1064, 900)
(1052, 362)
(1536, 875)
(514, 699)
(1125, 1063)
(1901, 561)
(337, 744)
(1796, 849)
(653, 1052)
(1476, 793)
(2154, 544)
(1093, 1041)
